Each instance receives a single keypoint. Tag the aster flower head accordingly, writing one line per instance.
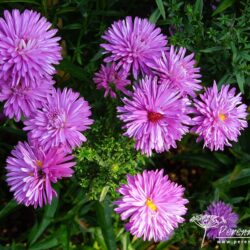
(219, 117)
(179, 70)
(156, 116)
(108, 76)
(152, 204)
(132, 44)
(21, 100)
(227, 220)
(31, 172)
(28, 46)
(60, 121)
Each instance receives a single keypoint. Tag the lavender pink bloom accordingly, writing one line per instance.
(152, 204)
(219, 117)
(28, 47)
(226, 217)
(156, 116)
(179, 70)
(108, 76)
(133, 44)
(31, 172)
(60, 121)
(21, 100)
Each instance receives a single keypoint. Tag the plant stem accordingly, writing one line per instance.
(204, 236)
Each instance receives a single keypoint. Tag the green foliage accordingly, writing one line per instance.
(221, 43)
(103, 162)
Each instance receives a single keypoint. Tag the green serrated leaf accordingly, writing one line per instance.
(245, 55)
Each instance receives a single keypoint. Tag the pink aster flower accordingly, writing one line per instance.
(226, 217)
(31, 171)
(21, 100)
(108, 76)
(132, 44)
(28, 46)
(60, 121)
(179, 70)
(156, 116)
(219, 117)
(152, 204)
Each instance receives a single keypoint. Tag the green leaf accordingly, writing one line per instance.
(7, 209)
(198, 7)
(201, 160)
(98, 236)
(104, 193)
(14, 131)
(21, 1)
(240, 80)
(139, 244)
(234, 51)
(242, 179)
(43, 245)
(97, 56)
(104, 213)
(223, 6)
(239, 177)
(67, 66)
(211, 50)
(48, 216)
(161, 8)
(227, 78)
(66, 10)
(246, 215)
(155, 16)
(237, 200)
(73, 26)
(245, 55)
(63, 237)
(125, 241)
(221, 157)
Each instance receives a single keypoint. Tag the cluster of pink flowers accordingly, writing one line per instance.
(54, 118)
(157, 111)
(160, 85)
(164, 104)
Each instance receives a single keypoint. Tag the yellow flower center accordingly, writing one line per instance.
(39, 163)
(151, 204)
(222, 117)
